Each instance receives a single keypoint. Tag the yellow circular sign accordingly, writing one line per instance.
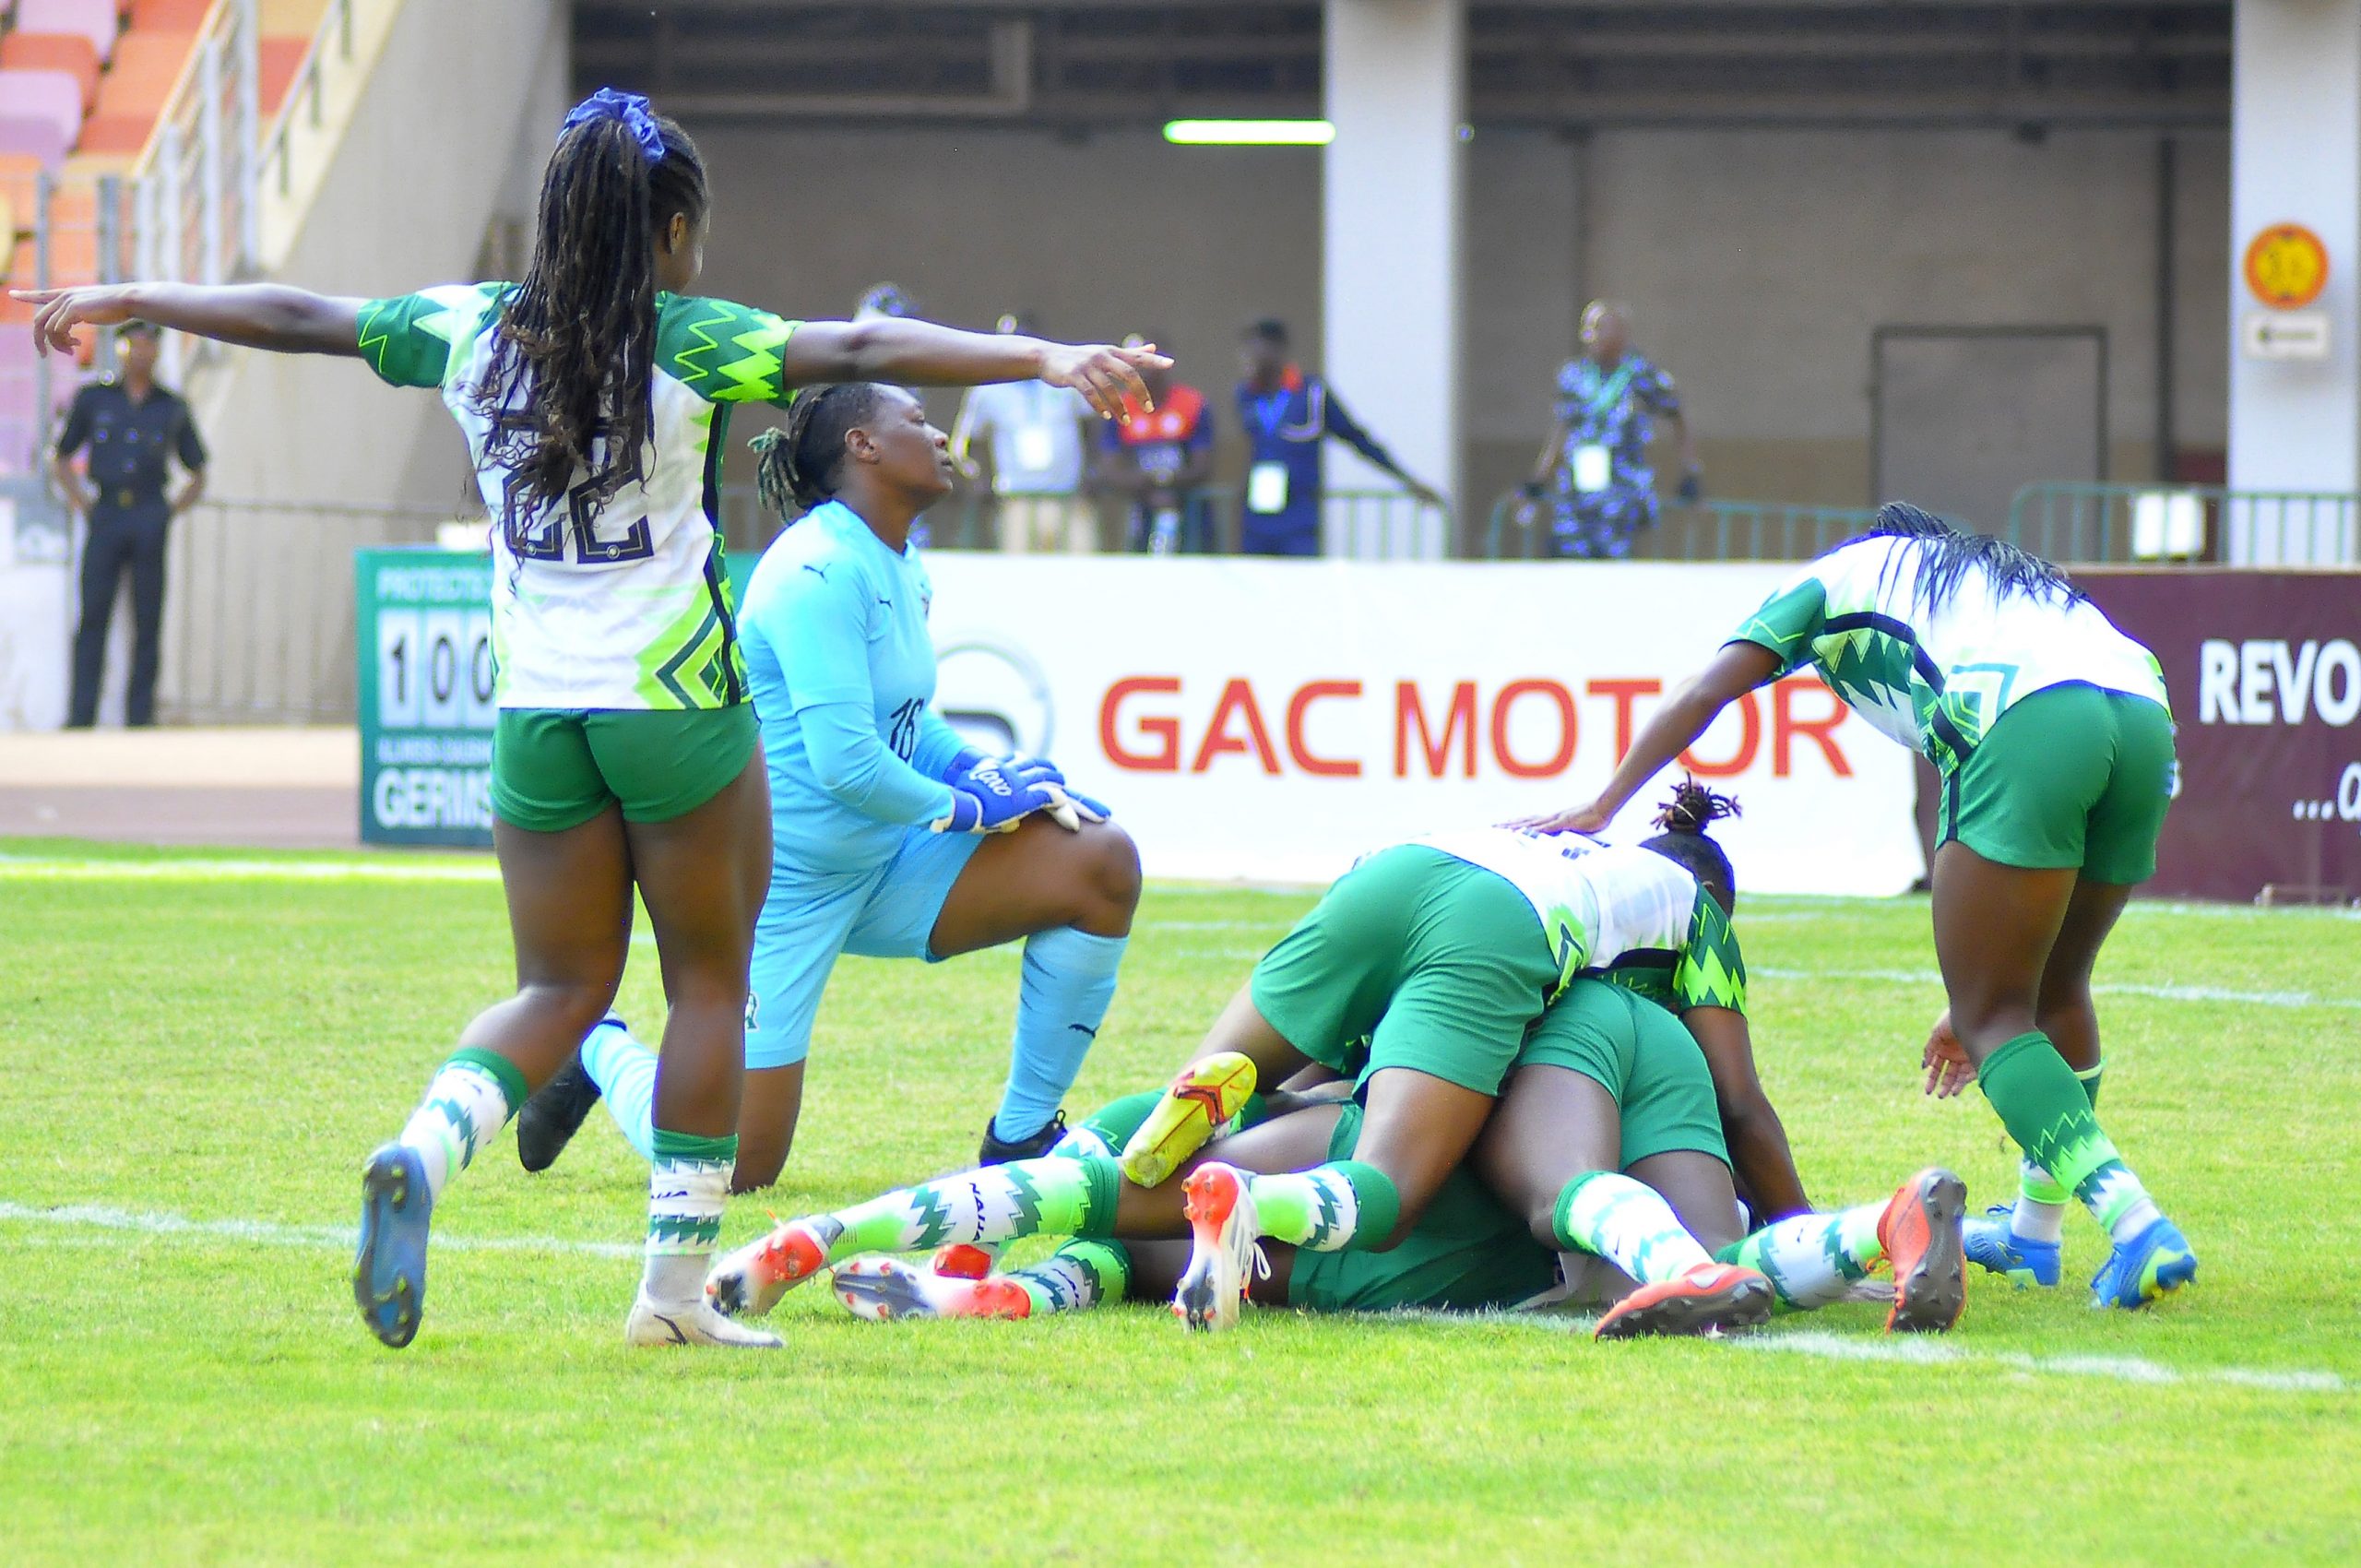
(2286, 266)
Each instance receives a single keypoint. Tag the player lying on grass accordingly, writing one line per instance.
(1631, 1093)
(2051, 731)
(595, 397)
(891, 839)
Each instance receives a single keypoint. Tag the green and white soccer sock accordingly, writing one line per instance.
(2040, 1212)
(1078, 1277)
(1627, 1224)
(687, 1189)
(1053, 1195)
(471, 1098)
(1812, 1260)
(1329, 1208)
(2049, 1114)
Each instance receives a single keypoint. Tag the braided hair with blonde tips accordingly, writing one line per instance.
(1684, 819)
(802, 464)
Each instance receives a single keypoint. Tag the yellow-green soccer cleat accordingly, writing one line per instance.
(1204, 1098)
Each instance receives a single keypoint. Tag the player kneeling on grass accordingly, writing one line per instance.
(892, 837)
(1649, 1111)
(2052, 733)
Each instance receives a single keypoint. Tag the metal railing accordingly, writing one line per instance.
(1705, 530)
(1361, 525)
(198, 197)
(259, 615)
(82, 227)
(2165, 524)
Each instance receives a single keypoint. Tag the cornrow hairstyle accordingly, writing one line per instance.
(572, 372)
(1948, 555)
(1684, 819)
(801, 464)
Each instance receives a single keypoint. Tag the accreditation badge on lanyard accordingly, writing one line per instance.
(1266, 483)
(1036, 447)
(1594, 467)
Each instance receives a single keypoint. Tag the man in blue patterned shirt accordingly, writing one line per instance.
(1594, 466)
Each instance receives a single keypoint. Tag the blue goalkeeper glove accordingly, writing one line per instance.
(985, 799)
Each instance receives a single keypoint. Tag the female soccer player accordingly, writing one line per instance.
(893, 840)
(594, 396)
(2051, 731)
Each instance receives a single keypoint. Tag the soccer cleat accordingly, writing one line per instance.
(2152, 1264)
(997, 1150)
(691, 1323)
(881, 1290)
(1990, 1245)
(389, 1266)
(1708, 1300)
(1226, 1231)
(748, 1282)
(1202, 1100)
(1920, 1232)
(964, 1260)
(555, 1111)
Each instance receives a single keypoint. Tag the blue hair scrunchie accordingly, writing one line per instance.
(630, 108)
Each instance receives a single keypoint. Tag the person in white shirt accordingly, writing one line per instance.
(1033, 439)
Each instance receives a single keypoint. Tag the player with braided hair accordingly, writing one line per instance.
(892, 837)
(595, 399)
(2053, 739)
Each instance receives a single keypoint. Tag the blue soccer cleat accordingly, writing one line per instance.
(389, 1267)
(1988, 1243)
(2139, 1271)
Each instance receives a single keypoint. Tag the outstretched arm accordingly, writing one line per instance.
(1347, 429)
(1759, 1156)
(919, 354)
(254, 316)
(1736, 671)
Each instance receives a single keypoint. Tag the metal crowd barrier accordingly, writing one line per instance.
(2165, 525)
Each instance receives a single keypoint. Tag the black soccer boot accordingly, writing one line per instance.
(554, 1113)
(997, 1151)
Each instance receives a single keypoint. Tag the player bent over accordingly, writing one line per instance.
(892, 838)
(2052, 733)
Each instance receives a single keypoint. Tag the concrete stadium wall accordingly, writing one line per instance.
(430, 162)
(1758, 262)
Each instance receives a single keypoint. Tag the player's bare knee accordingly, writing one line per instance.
(1114, 877)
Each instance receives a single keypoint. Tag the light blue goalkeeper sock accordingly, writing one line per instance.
(625, 1071)
(1069, 979)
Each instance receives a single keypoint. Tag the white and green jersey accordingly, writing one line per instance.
(624, 602)
(1617, 910)
(1937, 680)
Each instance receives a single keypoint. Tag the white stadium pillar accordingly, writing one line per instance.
(2294, 363)
(1396, 89)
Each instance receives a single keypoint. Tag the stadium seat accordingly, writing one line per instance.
(147, 66)
(19, 173)
(40, 113)
(96, 20)
(292, 18)
(67, 51)
(282, 58)
(169, 16)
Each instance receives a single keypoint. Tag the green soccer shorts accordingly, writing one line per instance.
(1436, 963)
(2073, 775)
(1643, 1056)
(557, 768)
(1465, 1253)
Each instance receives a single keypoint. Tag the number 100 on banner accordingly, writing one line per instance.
(424, 638)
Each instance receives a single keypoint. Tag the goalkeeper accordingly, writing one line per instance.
(891, 838)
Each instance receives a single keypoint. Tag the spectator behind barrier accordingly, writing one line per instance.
(1287, 414)
(1157, 462)
(1593, 469)
(1033, 438)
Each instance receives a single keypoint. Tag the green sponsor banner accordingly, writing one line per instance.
(423, 632)
(423, 628)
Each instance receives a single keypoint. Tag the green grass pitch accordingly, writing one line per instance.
(196, 1052)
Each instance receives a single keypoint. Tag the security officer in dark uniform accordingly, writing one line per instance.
(131, 425)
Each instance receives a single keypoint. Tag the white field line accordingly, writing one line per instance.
(1943, 1352)
(2158, 992)
(26, 868)
(266, 1233)
(1826, 1346)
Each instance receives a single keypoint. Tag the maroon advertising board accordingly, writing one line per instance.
(2264, 670)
